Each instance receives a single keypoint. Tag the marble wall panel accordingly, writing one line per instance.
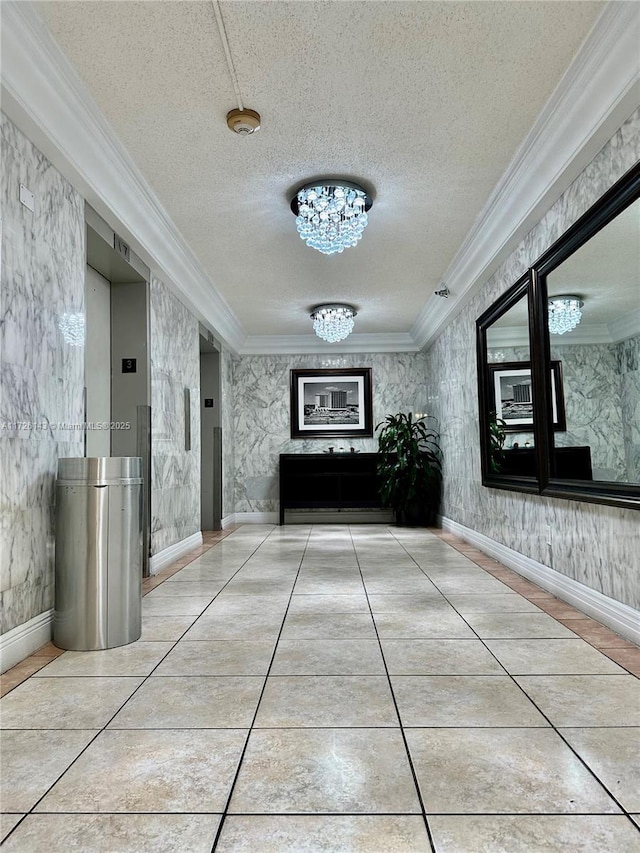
(628, 355)
(41, 372)
(262, 417)
(596, 545)
(227, 391)
(593, 403)
(175, 365)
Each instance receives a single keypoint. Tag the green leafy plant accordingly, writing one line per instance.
(497, 436)
(410, 465)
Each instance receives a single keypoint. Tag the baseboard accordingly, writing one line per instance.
(256, 517)
(24, 640)
(169, 555)
(337, 516)
(228, 520)
(621, 618)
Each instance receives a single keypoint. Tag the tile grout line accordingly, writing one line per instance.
(104, 727)
(512, 677)
(225, 811)
(204, 550)
(475, 555)
(395, 704)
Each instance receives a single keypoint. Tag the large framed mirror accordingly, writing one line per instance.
(506, 393)
(559, 363)
(589, 321)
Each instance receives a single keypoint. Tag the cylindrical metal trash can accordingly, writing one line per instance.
(98, 576)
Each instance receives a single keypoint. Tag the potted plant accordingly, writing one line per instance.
(497, 437)
(410, 467)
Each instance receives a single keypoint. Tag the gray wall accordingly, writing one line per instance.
(261, 427)
(600, 384)
(596, 545)
(41, 373)
(175, 365)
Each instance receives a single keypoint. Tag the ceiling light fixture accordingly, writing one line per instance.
(333, 322)
(331, 214)
(564, 313)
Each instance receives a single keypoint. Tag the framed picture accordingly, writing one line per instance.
(513, 395)
(331, 403)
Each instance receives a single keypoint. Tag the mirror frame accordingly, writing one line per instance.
(522, 288)
(611, 204)
(533, 284)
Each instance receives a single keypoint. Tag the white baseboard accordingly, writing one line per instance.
(169, 555)
(228, 520)
(256, 517)
(24, 640)
(621, 618)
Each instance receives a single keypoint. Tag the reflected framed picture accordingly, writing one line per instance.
(331, 403)
(513, 395)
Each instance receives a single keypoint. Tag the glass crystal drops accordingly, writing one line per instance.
(333, 323)
(564, 313)
(331, 218)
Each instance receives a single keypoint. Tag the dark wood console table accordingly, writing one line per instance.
(571, 463)
(328, 481)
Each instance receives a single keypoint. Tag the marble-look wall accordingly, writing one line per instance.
(595, 405)
(175, 365)
(594, 544)
(41, 371)
(262, 417)
(227, 362)
(628, 355)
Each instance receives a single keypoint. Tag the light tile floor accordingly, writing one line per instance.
(356, 689)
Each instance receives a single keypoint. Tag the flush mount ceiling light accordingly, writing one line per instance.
(331, 214)
(564, 313)
(333, 322)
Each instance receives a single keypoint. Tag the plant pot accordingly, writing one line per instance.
(415, 515)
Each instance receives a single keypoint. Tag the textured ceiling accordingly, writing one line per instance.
(426, 102)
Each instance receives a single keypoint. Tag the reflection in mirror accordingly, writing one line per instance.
(510, 393)
(598, 347)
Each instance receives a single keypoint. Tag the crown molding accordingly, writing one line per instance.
(311, 344)
(43, 94)
(597, 93)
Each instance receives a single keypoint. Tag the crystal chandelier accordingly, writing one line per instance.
(331, 215)
(564, 313)
(333, 323)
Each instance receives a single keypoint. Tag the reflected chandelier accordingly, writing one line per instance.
(331, 214)
(564, 313)
(333, 323)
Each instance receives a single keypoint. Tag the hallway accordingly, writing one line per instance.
(362, 689)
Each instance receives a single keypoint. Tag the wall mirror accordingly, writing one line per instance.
(506, 392)
(559, 363)
(589, 292)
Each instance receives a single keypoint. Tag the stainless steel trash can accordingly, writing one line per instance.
(98, 575)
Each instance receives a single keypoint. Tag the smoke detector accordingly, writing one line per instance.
(243, 122)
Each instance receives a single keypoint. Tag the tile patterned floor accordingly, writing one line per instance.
(330, 689)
